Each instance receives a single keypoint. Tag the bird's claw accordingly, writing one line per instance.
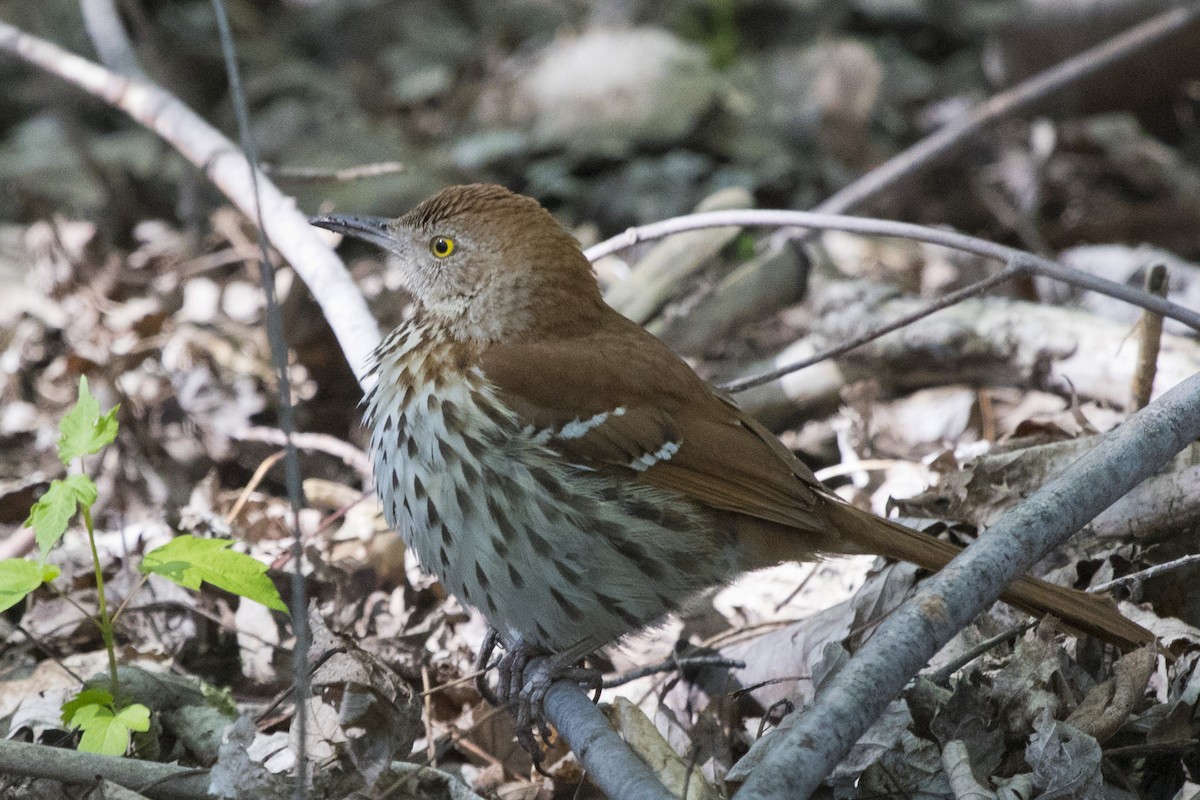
(482, 665)
(525, 676)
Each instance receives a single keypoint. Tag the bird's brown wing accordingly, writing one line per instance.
(717, 455)
(621, 400)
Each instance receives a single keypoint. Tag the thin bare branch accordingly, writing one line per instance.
(1013, 100)
(350, 455)
(154, 780)
(673, 665)
(977, 288)
(1149, 572)
(103, 23)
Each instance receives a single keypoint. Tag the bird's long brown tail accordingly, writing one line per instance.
(1083, 612)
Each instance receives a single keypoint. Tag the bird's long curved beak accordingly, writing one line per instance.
(376, 230)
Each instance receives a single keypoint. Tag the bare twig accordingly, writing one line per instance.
(350, 455)
(103, 23)
(1150, 327)
(252, 484)
(977, 288)
(1149, 572)
(941, 676)
(237, 254)
(1180, 747)
(985, 341)
(286, 412)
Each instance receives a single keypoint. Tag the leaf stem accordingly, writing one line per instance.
(106, 628)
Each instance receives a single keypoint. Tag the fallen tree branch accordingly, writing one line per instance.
(150, 778)
(797, 762)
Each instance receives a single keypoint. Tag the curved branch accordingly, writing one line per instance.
(206, 147)
(797, 763)
(905, 230)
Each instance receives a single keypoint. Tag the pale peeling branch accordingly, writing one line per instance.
(204, 146)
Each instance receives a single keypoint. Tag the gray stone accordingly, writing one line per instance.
(607, 90)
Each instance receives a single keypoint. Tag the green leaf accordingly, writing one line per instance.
(88, 697)
(187, 561)
(19, 577)
(50, 514)
(83, 487)
(84, 430)
(106, 732)
(136, 717)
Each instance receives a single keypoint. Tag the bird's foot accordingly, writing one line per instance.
(525, 676)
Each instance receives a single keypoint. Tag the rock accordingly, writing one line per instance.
(605, 91)
(488, 147)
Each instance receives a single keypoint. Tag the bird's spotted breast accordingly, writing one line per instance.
(553, 554)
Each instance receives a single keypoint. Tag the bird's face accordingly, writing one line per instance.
(487, 263)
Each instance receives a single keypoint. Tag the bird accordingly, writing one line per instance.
(562, 470)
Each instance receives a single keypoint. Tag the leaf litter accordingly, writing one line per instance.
(167, 324)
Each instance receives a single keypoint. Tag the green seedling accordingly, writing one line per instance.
(105, 721)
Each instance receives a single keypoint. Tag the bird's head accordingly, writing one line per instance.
(487, 263)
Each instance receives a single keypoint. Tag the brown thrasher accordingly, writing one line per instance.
(562, 470)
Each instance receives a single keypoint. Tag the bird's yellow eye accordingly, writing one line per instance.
(441, 246)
